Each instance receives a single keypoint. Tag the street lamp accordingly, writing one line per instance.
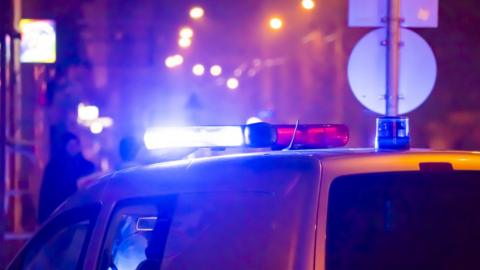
(276, 23)
(216, 70)
(96, 128)
(186, 32)
(174, 61)
(198, 70)
(197, 13)
(232, 83)
(184, 42)
(308, 4)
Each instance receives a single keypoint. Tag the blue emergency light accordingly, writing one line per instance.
(258, 135)
(392, 133)
(194, 137)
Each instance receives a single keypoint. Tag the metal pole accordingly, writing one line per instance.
(3, 99)
(393, 57)
(6, 23)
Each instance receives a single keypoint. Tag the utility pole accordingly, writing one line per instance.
(3, 91)
(393, 57)
(8, 35)
(6, 30)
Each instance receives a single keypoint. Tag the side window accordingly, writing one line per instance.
(131, 242)
(61, 244)
(404, 220)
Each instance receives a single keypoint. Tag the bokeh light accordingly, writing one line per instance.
(186, 32)
(174, 61)
(308, 4)
(276, 23)
(184, 42)
(198, 70)
(253, 120)
(96, 127)
(197, 13)
(233, 83)
(87, 112)
(216, 70)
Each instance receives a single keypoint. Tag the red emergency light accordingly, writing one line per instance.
(311, 136)
(296, 136)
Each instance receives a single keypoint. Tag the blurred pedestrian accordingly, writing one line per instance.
(66, 166)
(128, 149)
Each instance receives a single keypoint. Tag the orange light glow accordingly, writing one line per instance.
(276, 23)
(308, 4)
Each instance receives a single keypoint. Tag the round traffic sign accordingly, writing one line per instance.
(367, 71)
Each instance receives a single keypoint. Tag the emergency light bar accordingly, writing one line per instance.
(393, 132)
(258, 135)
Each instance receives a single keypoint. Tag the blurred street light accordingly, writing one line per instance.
(96, 127)
(238, 72)
(87, 113)
(253, 120)
(105, 121)
(197, 13)
(174, 61)
(178, 59)
(232, 83)
(308, 4)
(186, 32)
(276, 23)
(169, 62)
(184, 42)
(216, 70)
(198, 70)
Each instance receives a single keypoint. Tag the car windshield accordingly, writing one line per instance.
(404, 221)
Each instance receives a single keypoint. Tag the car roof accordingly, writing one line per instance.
(167, 175)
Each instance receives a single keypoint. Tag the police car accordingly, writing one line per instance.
(307, 205)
